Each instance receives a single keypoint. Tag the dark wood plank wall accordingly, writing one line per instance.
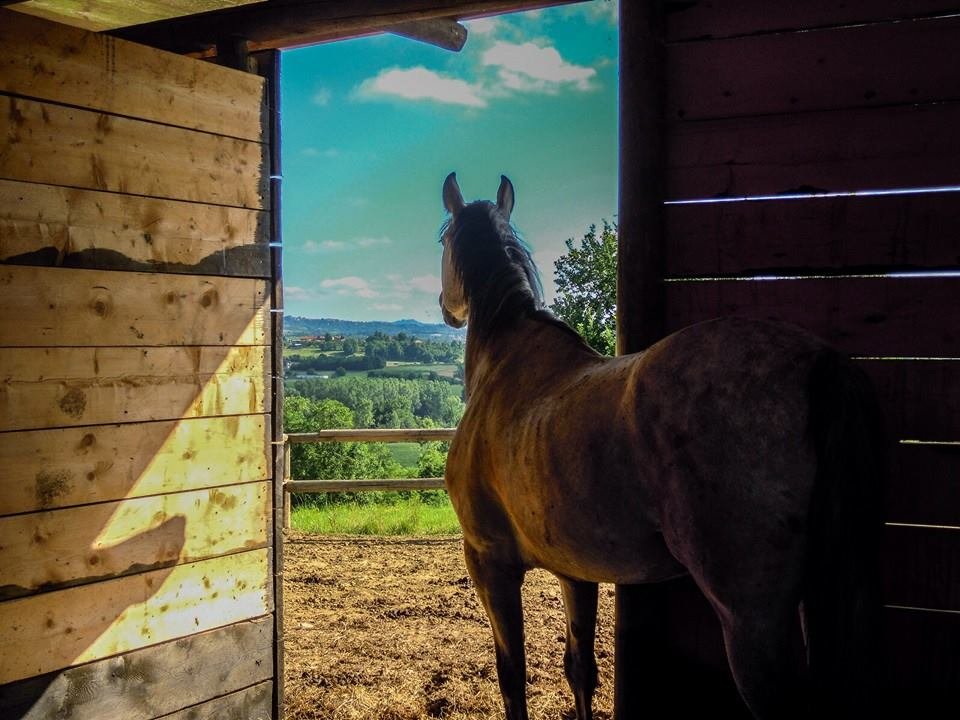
(136, 340)
(766, 99)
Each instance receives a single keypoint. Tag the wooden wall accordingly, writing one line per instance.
(136, 466)
(772, 99)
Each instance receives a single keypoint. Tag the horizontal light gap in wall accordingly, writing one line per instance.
(922, 609)
(938, 443)
(921, 526)
(942, 15)
(903, 358)
(817, 195)
(897, 275)
(113, 113)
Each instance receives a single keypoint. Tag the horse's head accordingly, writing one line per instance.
(454, 303)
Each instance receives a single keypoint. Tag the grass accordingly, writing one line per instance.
(417, 369)
(407, 516)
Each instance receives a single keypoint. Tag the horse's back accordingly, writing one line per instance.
(614, 467)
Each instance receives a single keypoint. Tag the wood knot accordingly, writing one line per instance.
(208, 298)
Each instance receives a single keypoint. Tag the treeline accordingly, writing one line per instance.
(349, 402)
(387, 402)
(299, 363)
(382, 347)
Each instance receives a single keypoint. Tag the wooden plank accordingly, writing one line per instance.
(865, 149)
(641, 238)
(252, 703)
(710, 19)
(58, 629)
(282, 24)
(924, 485)
(862, 316)
(920, 398)
(816, 70)
(922, 656)
(67, 387)
(54, 307)
(323, 486)
(46, 469)
(900, 231)
(143, 684)
(109, 14)
(269, 65)
(49, 61)
(53, 144)
(50, 225)
(440, 32)
(922, 567)
(61, 548)
(374, 435)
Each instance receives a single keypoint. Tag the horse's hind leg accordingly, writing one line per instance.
(766, 661)
(498, 587)
(579, 661)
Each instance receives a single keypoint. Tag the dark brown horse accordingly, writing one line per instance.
(743, 454)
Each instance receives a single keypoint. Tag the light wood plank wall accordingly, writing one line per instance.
(136, 488)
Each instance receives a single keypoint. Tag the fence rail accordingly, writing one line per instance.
(358, 435)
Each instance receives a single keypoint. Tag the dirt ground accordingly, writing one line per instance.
(391, 629)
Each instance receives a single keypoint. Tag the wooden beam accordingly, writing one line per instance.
(47, 469)
(59, 629)
(150, 682)
(640, 292)
(292, 23)
(374, 435)
(322, 486)
(442, 32)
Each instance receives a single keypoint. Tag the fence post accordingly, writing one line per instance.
(286, 479)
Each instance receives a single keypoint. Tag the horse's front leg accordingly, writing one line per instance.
(498, 586)
(579, 661)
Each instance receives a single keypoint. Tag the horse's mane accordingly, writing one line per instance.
(499, 277)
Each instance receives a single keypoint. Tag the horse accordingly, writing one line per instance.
(746, 455)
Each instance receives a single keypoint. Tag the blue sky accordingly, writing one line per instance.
(372, 126)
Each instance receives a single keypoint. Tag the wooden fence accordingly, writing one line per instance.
(359, 485)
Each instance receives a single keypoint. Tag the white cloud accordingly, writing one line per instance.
(426, 284)
(404, 287)
(608, 10)
(482, 26)
(419, 83)
(529, 67)
(293, 292)
(371, 241)
(328, 246)
(321, 97)
(350, 285)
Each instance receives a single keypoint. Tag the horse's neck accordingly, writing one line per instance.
(528, 351)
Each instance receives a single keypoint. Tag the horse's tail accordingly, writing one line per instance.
(842, 600)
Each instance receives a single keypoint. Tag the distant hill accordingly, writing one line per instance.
(294, 326)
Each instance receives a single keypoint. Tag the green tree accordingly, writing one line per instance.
(586, 279)
(326, 461)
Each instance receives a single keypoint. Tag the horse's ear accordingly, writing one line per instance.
(505, 196)
(452, 198)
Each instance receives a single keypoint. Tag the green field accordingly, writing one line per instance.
(310, 352)
(417, 369)
(409, 516)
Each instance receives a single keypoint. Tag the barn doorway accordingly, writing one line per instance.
(381, 624)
